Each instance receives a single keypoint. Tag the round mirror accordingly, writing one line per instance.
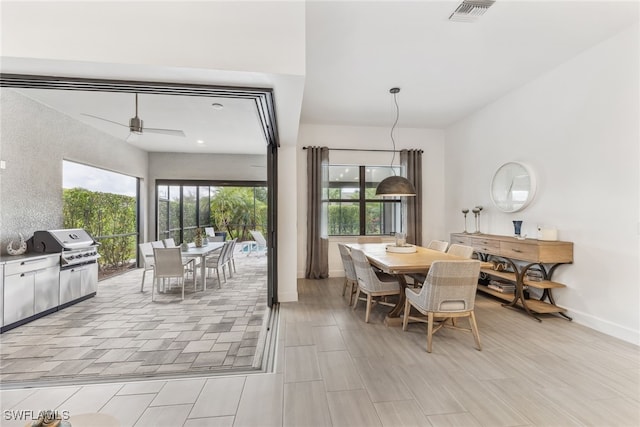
(513, 187)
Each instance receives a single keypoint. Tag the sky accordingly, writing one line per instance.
(76, 175)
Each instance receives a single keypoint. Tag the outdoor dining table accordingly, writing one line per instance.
(399, 264)
(202, 253)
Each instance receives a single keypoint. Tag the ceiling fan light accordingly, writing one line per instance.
(395, 186)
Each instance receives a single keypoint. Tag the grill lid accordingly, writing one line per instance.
(52, 241)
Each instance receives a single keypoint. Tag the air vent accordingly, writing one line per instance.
(470, 10)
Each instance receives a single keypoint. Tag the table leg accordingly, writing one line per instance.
(393, 318)
(203, 273)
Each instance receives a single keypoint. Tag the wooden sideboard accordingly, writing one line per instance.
(521, 256)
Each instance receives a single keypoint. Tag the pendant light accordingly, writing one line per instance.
(395, 185)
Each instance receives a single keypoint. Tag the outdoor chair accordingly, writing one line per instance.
(218, 261)
(146, 252)
(448, 292)
(261, 242)
(168, 264)
(209, 232)
(169, 243)
(350, 278)
(372, 283)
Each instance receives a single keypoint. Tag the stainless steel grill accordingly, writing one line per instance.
(75, 245)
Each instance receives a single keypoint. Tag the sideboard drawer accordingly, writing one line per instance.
(460, 240)
(519, 251)
(486, 246)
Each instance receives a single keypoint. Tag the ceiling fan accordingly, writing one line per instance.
(136, 125)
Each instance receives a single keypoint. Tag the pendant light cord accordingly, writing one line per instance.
(393, 141)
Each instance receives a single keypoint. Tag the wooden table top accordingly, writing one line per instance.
(400, 263)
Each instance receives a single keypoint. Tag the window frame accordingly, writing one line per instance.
(181, 183)
(363, 200)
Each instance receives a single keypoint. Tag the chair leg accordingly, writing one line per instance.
(369, 304)
(218, 274)
(355, 303)
(344, 287)
(182, 282)
(153, 287)
(144, 273)
(352, 290)
(474, 329)
(429, 331)
(405, 319)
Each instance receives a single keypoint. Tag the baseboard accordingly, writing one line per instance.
(606, 327)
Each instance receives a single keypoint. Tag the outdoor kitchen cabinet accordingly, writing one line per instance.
(31, 287)
(78, 282)
(1, 295)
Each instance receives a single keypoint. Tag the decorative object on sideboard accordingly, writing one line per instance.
(513, 187)
(21, 249)
(465, 212)
(476, 213)
(517, 228)
(547, 233)
(401, 239)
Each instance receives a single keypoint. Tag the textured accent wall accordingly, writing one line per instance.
(35, 139)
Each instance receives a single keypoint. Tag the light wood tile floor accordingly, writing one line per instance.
(333, 369)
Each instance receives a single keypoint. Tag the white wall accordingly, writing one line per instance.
(35, 140)
(429, 140)
(578, 127)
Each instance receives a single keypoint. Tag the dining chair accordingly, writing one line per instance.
(146, 253)
(372, 283)
(168, 264)
(209, 232)
(448, 292)
(157, 244)
(438, 245)
(460, 250)
(218, 261)
(350, 278)
(261, 242)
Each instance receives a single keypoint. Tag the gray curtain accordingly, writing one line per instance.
(317, 191)
(411, 162)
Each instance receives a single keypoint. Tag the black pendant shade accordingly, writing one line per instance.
(395, 186)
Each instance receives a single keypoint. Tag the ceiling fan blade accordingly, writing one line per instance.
(173, 132)
(106, 120)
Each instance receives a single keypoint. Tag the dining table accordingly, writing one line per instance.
(401, 264)
(202, 253)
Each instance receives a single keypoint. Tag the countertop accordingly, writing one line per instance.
(30, 255)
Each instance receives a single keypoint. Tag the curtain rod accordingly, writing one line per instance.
(363, 149)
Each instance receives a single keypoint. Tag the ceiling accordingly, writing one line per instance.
(229, 125)
(355, 52)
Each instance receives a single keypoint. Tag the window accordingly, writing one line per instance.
(105, 204)
(184, 206)
(354, 209)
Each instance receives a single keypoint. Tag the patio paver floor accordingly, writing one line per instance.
(120, 334)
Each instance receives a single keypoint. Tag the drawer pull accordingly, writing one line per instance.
(516, 250)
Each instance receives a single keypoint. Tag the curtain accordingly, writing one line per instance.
(411, 162)
(317, 213)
